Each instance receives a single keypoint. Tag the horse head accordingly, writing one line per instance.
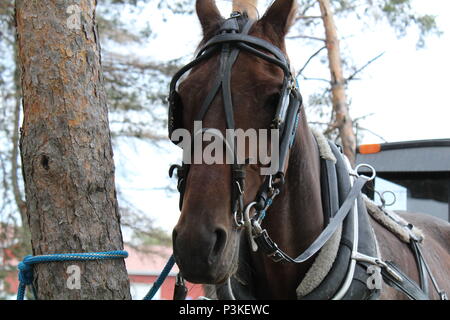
(206, 238)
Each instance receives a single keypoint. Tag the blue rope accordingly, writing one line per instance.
(26, 266)
(161, 278)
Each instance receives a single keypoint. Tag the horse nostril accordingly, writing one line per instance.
(221, 239)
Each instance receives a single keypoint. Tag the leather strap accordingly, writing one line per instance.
(271, 249)
(423, 277)
(180, 290)
(280, 63)
(247, 39)
(207, 54)
(407, 286)
(424, 269)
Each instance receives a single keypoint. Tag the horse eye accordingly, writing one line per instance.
(272, 100)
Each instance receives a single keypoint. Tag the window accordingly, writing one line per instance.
(422, 193)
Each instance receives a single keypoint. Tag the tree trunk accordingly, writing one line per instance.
(343, 122)
(66, 149)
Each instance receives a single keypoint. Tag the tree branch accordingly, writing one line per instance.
(353, 75)
(331, 128)
(303, 17)
(364, 117)
(315, 79)
(370, 131)
(306, 7)
(318, 123)
(309, 60)
(302, 36)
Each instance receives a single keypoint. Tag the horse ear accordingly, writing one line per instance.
(208, 14)
(280, 16)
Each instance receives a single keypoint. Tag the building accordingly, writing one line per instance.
(412, 176)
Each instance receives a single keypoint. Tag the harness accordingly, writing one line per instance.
(233, 37)
(342, 200)
(358, 256)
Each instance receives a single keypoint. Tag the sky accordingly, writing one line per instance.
(406, 90)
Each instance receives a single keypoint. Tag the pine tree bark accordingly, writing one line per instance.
(66, 148)
(342, 120)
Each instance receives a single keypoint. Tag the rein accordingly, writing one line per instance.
(270, 248)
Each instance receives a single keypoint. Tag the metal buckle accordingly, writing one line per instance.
(180, 280)
(377, 262)
(292, 83)
(270, 181)
(241, 192)
(180, 181)
(365, 165)
(268, 246)
(276, 256)
(278, 180)
(235, 14)
(247, 211)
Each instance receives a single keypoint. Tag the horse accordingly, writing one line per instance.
(210, 243)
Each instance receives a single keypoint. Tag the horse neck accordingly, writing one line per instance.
(294, 221)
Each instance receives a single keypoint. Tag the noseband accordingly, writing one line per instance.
(233, 38)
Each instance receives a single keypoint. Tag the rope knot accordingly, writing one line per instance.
(25, 271)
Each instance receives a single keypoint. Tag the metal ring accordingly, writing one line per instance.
(248, 225)
(365, 165)
(270, 181)
(392, 202)
(239, 224)
(247, 211)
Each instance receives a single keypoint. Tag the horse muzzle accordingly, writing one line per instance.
(204, 255)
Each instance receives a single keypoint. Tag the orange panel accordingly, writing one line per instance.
(369, 148)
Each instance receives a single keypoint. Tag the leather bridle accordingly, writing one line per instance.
(231, 39)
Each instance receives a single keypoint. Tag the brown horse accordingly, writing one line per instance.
(208, 247)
